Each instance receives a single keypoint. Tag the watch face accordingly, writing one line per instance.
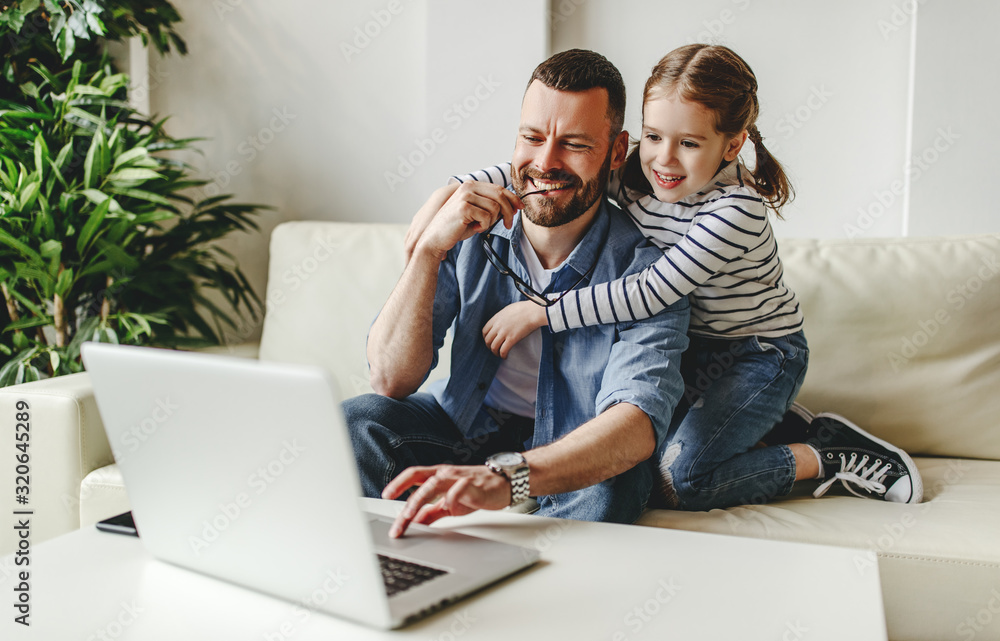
(507, 458)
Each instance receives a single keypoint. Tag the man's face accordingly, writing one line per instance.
(564, 151)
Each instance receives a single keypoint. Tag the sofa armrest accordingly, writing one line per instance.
(67, 442)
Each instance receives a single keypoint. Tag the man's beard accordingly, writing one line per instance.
(543, 211)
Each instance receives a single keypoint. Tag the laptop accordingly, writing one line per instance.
(243, 470)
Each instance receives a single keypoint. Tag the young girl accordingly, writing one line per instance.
(687, 190)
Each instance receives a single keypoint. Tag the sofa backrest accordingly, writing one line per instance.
(326, 283)
(904, 334)
(904, 337)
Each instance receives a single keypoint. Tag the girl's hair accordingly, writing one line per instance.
(718, 79)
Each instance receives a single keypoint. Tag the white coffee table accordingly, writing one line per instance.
(595, 581)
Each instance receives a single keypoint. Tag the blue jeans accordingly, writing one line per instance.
(390, 435)
(735, 391)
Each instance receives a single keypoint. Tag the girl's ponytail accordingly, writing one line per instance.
(769, 178)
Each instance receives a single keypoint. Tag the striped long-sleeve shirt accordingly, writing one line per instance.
(718, 247)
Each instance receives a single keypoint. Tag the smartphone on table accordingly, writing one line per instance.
(121, 524)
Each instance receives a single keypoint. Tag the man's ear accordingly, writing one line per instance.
(619, 150)
(734, 146)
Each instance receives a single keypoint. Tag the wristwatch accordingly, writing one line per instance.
(514, 467)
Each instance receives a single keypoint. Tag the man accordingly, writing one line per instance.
(570, 418)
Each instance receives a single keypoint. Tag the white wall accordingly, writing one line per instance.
(356, 110)
(877, 108)
(955, 119)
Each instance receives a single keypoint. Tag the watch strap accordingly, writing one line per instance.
(516, 475)
(519, 490)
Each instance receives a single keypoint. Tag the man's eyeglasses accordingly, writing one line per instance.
(529, 292)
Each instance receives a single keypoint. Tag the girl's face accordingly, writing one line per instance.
(680, 150)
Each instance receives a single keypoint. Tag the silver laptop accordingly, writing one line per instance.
(243, 470)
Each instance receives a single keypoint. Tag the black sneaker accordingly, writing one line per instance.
(867, 466)
(795, 427)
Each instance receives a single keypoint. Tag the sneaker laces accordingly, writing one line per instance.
(853, 472)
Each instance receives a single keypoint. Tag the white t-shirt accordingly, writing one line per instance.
(516, 385)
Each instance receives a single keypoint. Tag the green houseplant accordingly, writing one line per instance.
(98, 240)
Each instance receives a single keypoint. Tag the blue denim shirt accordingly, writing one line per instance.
(582, 371)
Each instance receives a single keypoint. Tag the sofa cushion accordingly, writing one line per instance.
(904, 337)
(326, 283)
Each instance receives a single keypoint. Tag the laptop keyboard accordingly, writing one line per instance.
(399, 575)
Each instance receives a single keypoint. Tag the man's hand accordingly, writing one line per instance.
(472, 209)
(425, 215)
(446, 490)
(511, 324)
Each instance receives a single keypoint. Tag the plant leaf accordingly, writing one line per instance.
(28, 252)
(50, 249)
(64, 282)
(145, 195)
(87, 90)
(28, 196)
(65, 42)
(88, 163)
(90, 227)
(27, 323)
(63, 155)
(129, 156)
(41, 154)
(133, 174)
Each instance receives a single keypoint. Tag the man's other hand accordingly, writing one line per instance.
(446, 490)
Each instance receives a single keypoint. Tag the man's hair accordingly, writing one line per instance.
(580, 70)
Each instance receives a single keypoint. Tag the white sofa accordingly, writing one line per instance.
(905, 341)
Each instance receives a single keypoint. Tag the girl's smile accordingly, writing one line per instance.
(680, 150)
